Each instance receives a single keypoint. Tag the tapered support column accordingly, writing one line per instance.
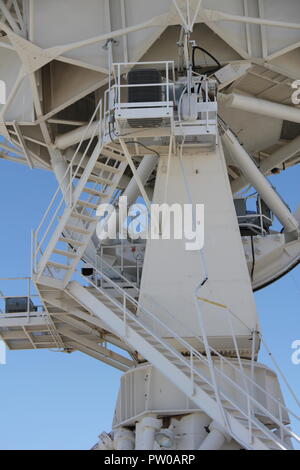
(259, 182)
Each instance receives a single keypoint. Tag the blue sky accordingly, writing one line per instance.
(52, 400)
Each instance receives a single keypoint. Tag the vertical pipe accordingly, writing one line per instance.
(149, 426)
(124, 439)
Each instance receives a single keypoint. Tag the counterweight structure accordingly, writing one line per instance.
(179, 104)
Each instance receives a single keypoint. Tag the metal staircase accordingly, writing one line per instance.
(60, 242)
(70, 220)
(115, 307)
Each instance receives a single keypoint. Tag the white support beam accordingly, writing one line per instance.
(273, 161)
(96, 355)
(23, 145)
(261, 107)
(68, 139)
(9, 17)
(125, 39)
(143, 171)
(215, 15)
(135, 173)
(109, 337)
(94, 346)
(243, 160)
(158, 21)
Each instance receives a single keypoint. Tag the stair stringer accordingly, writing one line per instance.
(138, 341)
(68, 215)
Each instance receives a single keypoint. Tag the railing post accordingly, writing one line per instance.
(70, 186)
(168, 90)
(192, 372)
(35, 244)
(250, 417)
(32, 252)
(253, 354)
(281, 421)
(124, 315)
(28, 300)
(211, 365)
(119, 87)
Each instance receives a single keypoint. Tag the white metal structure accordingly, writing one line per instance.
(118, 101)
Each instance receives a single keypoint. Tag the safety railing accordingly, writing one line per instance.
(65, 195)
(255, 222)
(116, 98)
(239, 369)
(254, 407)
(27, 302)
(118, 111)
(250, 385)
(167, 86)
(124, 264)
(254, 334)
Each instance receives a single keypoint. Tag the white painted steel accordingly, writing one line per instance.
(275, 160)
(55, 72)
(162, 356)
(259, 182)
(263, 107)
(215, 439)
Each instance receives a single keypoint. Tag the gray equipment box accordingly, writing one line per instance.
(19, 305)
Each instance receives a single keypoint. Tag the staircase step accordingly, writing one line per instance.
(262, 436)
(59, 265)
(73, 228)
(68, 254)
(70, 241)
(228, 406)
(108, 168)
(103, 181)
(94, 192)
(86, 218)
(98, 180)
(241, 418)
(120, 157)
(114, 308)
(180, 361)
(205, 387)
(90, 205)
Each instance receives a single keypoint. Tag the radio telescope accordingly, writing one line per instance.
(192, 103)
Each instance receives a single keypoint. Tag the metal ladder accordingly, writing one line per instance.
(240, 423)
(70, 220)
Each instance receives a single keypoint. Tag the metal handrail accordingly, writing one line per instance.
(117, 67)
(224, 359)
(111, 268)
(28, 295)
(214, 351)
(198, 356)
(69, 177)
